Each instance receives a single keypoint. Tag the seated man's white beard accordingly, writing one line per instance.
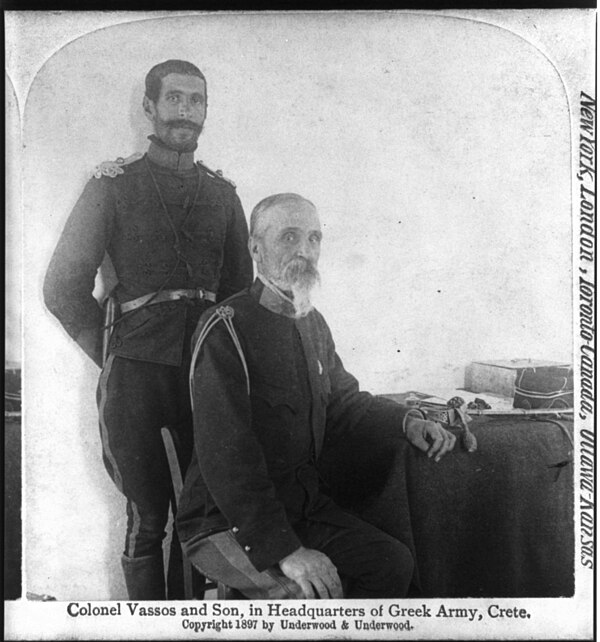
(302, 304)
(300, 277)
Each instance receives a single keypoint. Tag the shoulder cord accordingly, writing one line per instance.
(177, 245)
(223, 313)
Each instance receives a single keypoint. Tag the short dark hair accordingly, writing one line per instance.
(158, 72)
(285, 199)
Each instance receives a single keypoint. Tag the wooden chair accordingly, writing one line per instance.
(224, 592)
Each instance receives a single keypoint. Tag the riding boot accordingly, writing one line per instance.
(144, 577)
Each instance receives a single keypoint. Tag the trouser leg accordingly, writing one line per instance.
(135, 400)
(372, 563)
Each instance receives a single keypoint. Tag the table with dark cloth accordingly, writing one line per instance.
(494, 523)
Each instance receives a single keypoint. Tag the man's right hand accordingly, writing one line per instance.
(314, 572)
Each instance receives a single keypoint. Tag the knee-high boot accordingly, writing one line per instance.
(144, 577)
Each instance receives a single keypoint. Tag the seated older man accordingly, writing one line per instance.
(267, 389)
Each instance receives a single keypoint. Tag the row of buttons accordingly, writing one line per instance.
(234, 530)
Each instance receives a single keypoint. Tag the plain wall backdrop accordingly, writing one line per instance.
(437, 151)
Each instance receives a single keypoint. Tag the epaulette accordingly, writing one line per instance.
(113, 168)
(215, 173)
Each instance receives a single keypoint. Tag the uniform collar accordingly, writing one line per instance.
(166, 157)
(272, 298)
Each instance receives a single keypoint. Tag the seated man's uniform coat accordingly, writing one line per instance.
(254, 469)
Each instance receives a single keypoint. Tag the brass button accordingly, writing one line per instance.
(235, 529)
(247, 549)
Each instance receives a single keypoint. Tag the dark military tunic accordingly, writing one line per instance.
(254, 467)
(200, 241)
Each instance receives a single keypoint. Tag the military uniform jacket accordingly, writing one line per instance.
(254, 467)
(201, 244)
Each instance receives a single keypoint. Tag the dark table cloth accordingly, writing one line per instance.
(494, 523)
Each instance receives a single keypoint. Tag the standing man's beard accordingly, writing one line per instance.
(299, 277)
(168, 125)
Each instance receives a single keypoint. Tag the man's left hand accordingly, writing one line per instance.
(429, 437)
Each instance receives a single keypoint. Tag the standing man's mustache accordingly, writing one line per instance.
(189, 124)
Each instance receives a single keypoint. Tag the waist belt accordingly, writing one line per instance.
(167, 295)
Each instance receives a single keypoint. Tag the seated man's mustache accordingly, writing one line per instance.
(301, 268)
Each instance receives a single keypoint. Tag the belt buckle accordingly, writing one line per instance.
(200, 293)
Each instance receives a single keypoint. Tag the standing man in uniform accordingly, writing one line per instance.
(176, 234)
(269, 391)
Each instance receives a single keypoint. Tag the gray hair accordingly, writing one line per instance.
(284, 200)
